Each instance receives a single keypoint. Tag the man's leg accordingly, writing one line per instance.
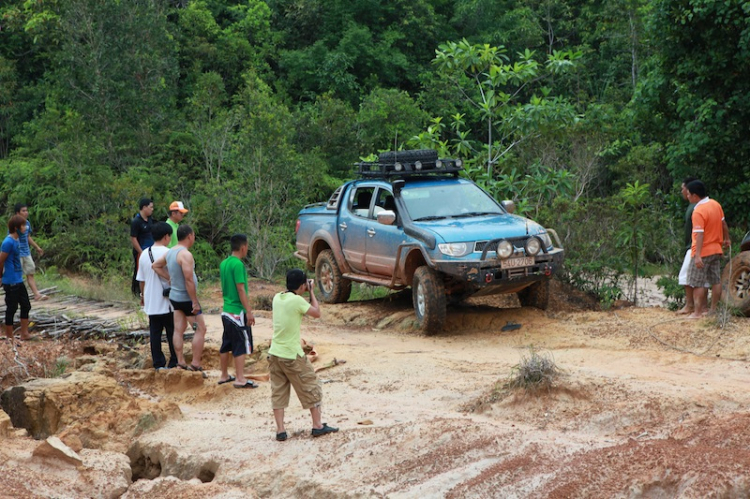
(278, 416)
(699, 296)
(198, 339)
(155, 326)
(224, 366)
(682, 280)
(169, 329)
(23, 301)
(135, 287)
(239, 370)
(317, 417)
(180, 322)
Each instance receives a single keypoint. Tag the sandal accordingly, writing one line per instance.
(191, 367)
(181, 366)
(280, 437)
(228, 380)
(248, 384)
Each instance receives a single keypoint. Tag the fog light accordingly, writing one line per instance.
(504, 249)
(418, 165)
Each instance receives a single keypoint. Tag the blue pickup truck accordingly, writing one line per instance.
(410, 219)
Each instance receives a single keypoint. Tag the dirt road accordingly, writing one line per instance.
(648, 405)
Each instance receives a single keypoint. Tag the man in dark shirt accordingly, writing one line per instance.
(682, 278)
(140, 236)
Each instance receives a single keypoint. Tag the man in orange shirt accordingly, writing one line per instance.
(710, 233)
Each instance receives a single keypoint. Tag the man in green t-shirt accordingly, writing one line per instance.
(177, 212)
(236, 315)
(287, 362)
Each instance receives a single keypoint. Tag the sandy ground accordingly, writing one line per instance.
(647, 405)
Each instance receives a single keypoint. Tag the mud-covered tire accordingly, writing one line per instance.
(425, 155)
(735, 281)
(428, 295)
(332, 286)
(536, 295)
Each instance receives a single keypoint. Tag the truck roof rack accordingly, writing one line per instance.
(418, 162)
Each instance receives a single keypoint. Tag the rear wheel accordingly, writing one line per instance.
(736, 282)
(333, 287)
(536, 295)
(428, 295)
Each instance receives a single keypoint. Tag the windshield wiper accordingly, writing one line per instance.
(477, 214)
(431, 217)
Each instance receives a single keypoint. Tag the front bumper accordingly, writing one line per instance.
(488, 274)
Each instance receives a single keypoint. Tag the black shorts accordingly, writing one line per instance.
(186, 307)
(236, 339)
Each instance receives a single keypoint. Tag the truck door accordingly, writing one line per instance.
(353, 224)
(382, 240)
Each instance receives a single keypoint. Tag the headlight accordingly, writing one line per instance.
(455, 249)
(504, 249)
(533, 245)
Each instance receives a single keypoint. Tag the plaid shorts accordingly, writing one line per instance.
(710, 273)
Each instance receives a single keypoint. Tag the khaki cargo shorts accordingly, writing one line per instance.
(298, 373)
(27, 265)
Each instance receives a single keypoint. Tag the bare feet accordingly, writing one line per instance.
(685, 310)
(41, 297)
(695, 315)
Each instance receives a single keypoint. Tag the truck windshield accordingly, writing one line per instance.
(448, 201)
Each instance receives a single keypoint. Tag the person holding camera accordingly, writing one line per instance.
(155, 297)
(287, 362)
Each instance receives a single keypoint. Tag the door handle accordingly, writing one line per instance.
(342, 225)
(370, 232)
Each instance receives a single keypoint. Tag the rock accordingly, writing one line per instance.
(5, 424)
(92, 407)
(54, 448)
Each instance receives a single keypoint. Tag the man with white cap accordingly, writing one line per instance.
(177, 212)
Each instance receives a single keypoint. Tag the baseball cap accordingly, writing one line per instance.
(294, 279)
(178, 206)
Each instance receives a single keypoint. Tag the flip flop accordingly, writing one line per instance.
(248, 384)
(510, 326)
(182, 366)
(191, 367)
(230, 378)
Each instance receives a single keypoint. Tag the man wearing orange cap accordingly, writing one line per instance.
(177, 212)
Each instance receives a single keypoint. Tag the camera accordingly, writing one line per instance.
(165, 292)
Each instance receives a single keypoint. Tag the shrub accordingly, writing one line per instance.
(534, 372)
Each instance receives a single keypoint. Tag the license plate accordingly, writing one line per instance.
(513, 263)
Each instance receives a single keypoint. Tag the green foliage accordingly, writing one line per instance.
(673, 292)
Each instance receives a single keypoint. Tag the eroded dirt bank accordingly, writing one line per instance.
(648, 406)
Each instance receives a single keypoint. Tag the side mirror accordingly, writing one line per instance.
(509, 205)
(387, 217)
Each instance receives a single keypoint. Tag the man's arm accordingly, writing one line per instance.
(3, 257)
(245, 303)
(314, 310)
(725, 228)
(143, 285)
(35, 245)
(185, 258)
(160, 267)
(136, 245)
(698, 248)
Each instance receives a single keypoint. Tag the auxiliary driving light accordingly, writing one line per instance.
(398, 167)
(533, 246)
(418, 165)
(438, 164)
(504, 249)
(459, 163)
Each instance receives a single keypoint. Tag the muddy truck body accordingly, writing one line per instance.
(410, 220)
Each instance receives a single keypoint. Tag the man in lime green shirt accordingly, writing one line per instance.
(287, 362)
(177, 212)
(236, 315)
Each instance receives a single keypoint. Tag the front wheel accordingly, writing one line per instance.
(333, 287)
(736, 283)
(428, 294)
(536, 295)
